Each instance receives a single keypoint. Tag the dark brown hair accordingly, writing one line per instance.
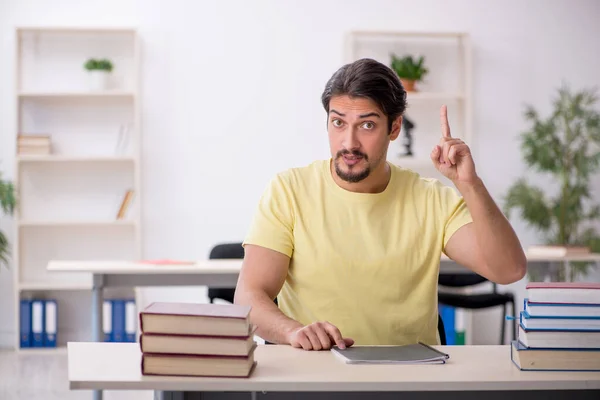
(370, 79)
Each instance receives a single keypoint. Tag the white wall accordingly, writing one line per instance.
(231, 96)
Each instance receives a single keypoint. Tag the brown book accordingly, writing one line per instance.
(195, 344)
(125, 204)
(198, 365)
(196, 319)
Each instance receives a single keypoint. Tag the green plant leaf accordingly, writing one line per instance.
(566, 146)
(409, 67)
(4, 250)
(532, 204)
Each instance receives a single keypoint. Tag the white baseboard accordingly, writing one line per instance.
(7, 340)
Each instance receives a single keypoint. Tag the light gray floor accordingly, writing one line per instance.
(32, 376)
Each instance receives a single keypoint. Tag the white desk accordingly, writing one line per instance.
(285, 371)
(214, 273)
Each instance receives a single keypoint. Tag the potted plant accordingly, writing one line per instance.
(7, 205)
(565, 145)
(98, 72)
(410, 70)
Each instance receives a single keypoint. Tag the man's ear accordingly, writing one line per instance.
(396, 127)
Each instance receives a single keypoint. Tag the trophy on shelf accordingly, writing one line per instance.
(407, 140)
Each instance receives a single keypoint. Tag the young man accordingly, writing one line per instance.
(351, 246)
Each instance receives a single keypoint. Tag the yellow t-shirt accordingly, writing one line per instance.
(367, 263)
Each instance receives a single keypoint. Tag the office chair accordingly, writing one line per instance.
(224, 251)
(475, 301)
(441, 331)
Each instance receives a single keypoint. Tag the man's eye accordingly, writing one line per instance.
(369, 125)
(336, 122)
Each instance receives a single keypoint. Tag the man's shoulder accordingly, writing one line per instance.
(425, 189)
(409, 178)
(303, 175)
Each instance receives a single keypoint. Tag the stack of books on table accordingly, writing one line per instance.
(559, 327)
(197, 339)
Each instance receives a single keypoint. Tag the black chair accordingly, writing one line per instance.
(441, 331)
(475, 301)
(224, 251)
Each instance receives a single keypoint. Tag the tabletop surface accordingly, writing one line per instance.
(230, 266)
(117, 366)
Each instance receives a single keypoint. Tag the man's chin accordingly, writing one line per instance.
(351, 174)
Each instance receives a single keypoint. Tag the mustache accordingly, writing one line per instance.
(355, 153)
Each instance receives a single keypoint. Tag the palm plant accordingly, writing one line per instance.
(565, 145)
(7, 205)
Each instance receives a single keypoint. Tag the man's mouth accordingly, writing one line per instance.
(351, 159)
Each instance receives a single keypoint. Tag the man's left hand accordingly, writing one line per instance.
(452, 157)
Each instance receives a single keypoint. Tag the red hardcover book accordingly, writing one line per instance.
(564, 292)
(198, 365)
(196, 319)
(197, 344)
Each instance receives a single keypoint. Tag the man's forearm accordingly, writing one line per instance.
(272, 324)
(497, 240)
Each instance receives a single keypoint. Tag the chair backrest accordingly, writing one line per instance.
(460, 280)
(225, 251)
(441, 331)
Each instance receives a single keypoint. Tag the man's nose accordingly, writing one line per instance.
(350, 140)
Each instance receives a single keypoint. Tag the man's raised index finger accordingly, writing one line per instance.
(444, 122)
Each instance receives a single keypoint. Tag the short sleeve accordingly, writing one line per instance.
(456, 214)
(273, 223)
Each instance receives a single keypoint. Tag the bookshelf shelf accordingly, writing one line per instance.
(58, 95)
(77, 159)
(73, 159)
(45, 286)
(79, 224)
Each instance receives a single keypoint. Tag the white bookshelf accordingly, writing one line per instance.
(449, 81)
(68, 200)
(448, 57)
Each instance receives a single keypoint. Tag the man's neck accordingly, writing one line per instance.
(376, 182)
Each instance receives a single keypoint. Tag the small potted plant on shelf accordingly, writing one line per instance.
(566, 146)
(7, 205)
(410, 70)
(99, 71)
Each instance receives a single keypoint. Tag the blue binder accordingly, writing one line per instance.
(118, 320)
(107, 317)
(37, 323)
(25, 323)
(447, 313)
(50, 323)
(130, 320)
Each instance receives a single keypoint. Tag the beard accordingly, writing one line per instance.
(351, 175)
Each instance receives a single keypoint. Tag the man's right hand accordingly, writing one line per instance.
(318, 336)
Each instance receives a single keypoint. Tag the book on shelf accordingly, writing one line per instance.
(29, 144)
(125, 203)
(559, 327)
(556, 250)
(197, 339)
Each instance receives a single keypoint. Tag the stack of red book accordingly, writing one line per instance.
(197, 339)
